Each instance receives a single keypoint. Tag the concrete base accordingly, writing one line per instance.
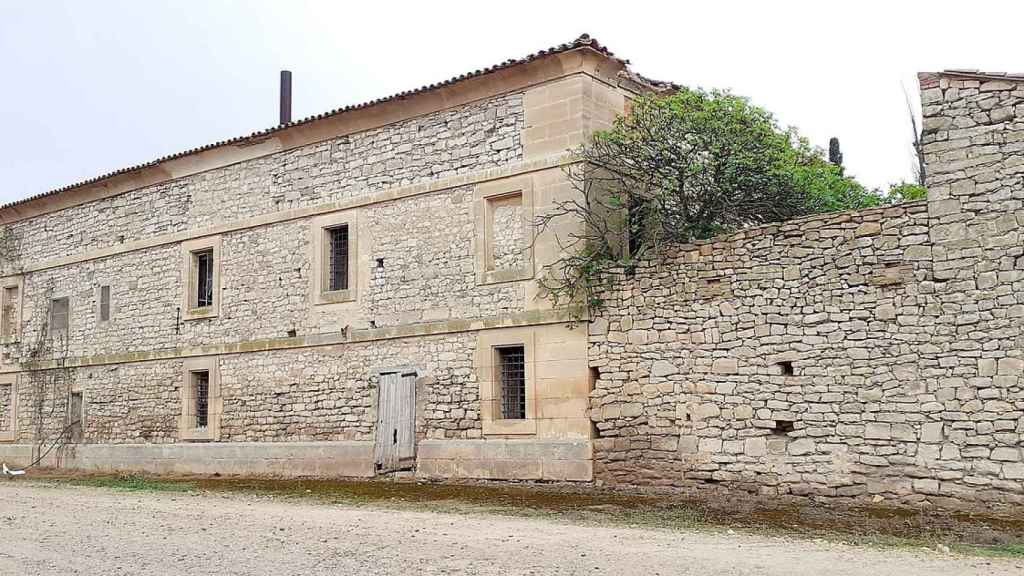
(502, 459)
(497, 459)
(352, 459)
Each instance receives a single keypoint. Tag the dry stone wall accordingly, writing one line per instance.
(877, 354)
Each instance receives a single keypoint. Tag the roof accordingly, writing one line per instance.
(584, 41)
(975, 73)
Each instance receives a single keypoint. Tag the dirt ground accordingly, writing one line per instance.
(60, 528)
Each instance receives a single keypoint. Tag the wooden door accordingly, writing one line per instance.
(395, 445)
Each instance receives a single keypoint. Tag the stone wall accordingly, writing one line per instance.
(457, 141)
(416, 265)
(876, 354)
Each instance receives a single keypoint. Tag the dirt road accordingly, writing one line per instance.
(51, 529)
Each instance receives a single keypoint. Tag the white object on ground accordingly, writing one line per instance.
(9, 472)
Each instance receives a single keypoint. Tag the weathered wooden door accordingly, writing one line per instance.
(395, 446)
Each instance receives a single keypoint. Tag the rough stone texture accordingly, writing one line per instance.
(508, 236)
(426, 273)
(457, 141)
(6, 398)
(903, 327)
(314, 394)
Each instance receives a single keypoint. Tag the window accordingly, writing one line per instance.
(504, 230)
(508, 376)
(10, 321)
(60, 312)
(201, 276)
(334, 257)
(76, 417)
(337, 246)
(201, 399)
(512, 378)
(104, 303)
(203, 285)
(201, 402)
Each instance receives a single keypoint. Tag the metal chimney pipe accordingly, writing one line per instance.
(286, 96)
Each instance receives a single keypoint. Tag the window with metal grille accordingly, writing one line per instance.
(512, 376)
(10, 313)
(60, 310)
(201, 398)
(104, 303)
(337, 262)
(203, 278)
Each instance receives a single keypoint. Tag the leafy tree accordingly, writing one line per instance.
(679, 168)
(907, 192)
(835, 155)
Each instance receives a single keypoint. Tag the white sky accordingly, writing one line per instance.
(91, 87)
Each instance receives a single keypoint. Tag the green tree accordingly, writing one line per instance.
(907, 192)
(680, 168)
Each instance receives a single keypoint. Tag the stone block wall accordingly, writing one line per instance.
(439, 145)
(877, 354)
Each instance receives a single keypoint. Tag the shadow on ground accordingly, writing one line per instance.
(988, 533)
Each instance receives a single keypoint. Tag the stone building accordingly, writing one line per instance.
(355, 294)
(344, 295)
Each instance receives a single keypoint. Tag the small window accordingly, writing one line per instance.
(512, 377)
(104, 303)
(76, 417)
(201, 399)
(337, 258)
(9, 322)
(60, 311)
(203, 285)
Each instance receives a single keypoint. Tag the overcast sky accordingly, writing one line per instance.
(90, 87)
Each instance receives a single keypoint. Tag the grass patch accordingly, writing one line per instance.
(997, 551)
(130, 483)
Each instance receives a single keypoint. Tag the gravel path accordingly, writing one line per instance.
(49, 529)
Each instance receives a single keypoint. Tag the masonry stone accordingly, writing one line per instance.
(904, 323)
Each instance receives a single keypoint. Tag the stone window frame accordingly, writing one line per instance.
(488, 343)
(319, 227)
(6, 283)
(215, 406)
(485, 197)
(76, 390)
(50, 330)
(189, 249)
(112, 308)
(11, 434)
